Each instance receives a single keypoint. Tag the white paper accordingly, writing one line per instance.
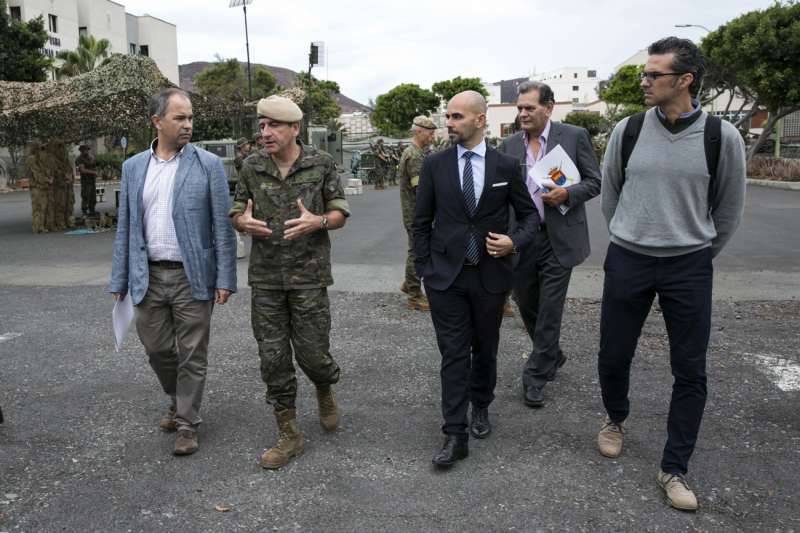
(555, 169)
(121, 316)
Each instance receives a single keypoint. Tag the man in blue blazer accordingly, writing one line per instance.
(462, 250)
(175, 257)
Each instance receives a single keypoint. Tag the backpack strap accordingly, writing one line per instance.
(712, 143)
(632, 129)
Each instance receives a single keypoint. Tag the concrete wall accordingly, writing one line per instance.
(161, 39)
(104, 19)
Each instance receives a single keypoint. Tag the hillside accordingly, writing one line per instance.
(284, 76)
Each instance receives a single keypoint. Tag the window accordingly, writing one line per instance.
(52, 23)
(16, 13)
(575, 100)
(144, 50)
(132, 49)
(576, 88)
(83, 32)
(575, 75)
(507, 129)
(591, 74)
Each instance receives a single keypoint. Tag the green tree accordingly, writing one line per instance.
(84, 58)
(623, 93)
(320, 105)
(227, 80)
(395, 110)
(448, 88)
(21, 45)
(761, 48)
(594, 123)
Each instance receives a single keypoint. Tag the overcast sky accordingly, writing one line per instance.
(374, 45)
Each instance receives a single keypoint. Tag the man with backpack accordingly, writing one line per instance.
(673, 195)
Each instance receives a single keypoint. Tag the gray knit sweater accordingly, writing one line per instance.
(662, 208)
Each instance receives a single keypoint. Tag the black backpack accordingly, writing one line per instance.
(711, 142)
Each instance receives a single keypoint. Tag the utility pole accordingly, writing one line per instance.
(244, 4)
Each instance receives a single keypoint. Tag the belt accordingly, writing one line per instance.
(174, 265)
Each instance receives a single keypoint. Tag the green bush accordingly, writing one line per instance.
(109, 165)
(594, 123)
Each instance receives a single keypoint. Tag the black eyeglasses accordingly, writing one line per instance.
(653, 76)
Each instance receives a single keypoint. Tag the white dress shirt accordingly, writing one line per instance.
(478, 167)
(159, 230)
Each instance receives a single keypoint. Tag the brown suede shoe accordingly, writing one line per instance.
(167, 422)
(677, 491)
(508, 310)
(609, 440)
(185, 442)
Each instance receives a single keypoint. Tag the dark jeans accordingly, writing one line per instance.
(467, 321)
(88, 193)
(683, 285)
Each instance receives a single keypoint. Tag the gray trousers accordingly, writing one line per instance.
(174, 329)
(540, 290)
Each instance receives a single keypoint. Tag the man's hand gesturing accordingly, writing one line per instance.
(245, 223)
(297, 227)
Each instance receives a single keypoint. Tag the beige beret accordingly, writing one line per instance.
(424, 122)
(279, 108)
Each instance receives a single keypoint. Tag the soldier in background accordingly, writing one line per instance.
(381, 164)
(87, 169)
(288, 197)
(242, 150)
(394, 159)
(423, 130)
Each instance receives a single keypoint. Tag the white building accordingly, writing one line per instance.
(65, 20)
(571, 84)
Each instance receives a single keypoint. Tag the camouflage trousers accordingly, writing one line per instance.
(413, 284)
(290, 321)
(88, 193)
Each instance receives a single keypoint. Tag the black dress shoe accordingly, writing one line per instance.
(455, 448)
(534, 396)
(561, 360)
(480, 426)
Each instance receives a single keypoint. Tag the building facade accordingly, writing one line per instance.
(66, 20)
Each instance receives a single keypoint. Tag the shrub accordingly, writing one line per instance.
(773, 168)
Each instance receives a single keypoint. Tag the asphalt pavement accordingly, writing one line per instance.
(81, 451)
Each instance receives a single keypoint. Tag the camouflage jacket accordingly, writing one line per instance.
(87, 161)
(409, 167)
(276, 263)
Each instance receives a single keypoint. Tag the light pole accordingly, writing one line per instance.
(692, 26)
(244, 4)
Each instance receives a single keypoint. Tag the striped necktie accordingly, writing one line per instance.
(468, 187)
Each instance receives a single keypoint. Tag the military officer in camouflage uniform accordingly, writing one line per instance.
(86, 167)
(423, 130)
(288, 198)
(242, 151)
(381, 165)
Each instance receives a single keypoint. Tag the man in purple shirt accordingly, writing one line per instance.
(541, 276)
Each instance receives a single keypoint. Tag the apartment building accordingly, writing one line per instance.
(66, 20)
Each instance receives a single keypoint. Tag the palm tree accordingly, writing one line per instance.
(84, 58)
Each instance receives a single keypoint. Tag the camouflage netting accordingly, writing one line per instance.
(109, 100)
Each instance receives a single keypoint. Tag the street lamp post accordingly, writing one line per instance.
(244, 4)
(692, 26)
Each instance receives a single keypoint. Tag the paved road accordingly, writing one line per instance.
(80, 450)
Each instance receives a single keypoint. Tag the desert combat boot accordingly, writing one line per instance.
(290, 441)
(328, 409)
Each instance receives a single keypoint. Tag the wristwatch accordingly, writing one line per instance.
(324, 223)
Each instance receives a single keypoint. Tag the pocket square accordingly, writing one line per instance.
(500, 184)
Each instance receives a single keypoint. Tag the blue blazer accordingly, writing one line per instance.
(200, 205)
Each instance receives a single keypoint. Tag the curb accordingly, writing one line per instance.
(774, 184)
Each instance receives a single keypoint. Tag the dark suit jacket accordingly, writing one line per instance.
(442, 224)
(568, 234)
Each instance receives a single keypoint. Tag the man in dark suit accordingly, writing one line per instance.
(463, 255)
(541, 277)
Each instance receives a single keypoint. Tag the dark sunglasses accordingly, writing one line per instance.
(653, 76)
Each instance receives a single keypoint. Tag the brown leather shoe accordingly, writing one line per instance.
(419, 303)
(609, 440)
(185, 442)
(508, 310)
(167, 422)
